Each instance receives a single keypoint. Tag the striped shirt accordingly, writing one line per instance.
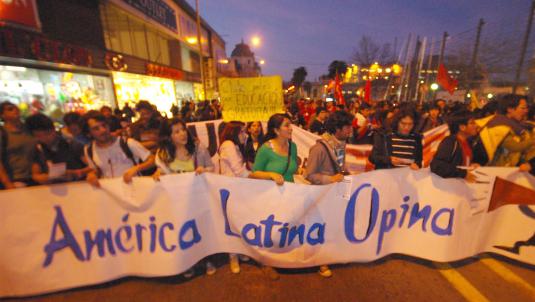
(405, 147)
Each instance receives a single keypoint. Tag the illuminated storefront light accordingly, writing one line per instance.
(131, 88)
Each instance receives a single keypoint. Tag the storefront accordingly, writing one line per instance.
(184, 92)
(54, 92)
(156, 54)
(131, 88)
(39, 74)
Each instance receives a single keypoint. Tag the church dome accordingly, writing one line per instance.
(242, 50)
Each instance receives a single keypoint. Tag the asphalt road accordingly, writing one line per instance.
(394, 278)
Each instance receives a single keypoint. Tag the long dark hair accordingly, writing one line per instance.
(403, 113)
(167, 150)
(231, 132)
(261, 138)
(274, 122)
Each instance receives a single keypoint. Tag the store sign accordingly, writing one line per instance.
(164, 72)
(20, 12)
(157, 10)
(25, 45)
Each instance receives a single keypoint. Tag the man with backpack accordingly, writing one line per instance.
(56, 159)
(326, 160)
(111, 156)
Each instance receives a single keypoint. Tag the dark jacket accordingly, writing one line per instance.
(449, 155)
(382, 149)
(426, 124)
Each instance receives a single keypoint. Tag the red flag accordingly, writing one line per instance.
(338, 91)
(506, 192)
(368, 91)
(444, 79)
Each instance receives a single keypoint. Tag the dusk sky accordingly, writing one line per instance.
(313, 33)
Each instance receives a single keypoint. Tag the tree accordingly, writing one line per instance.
(335, 67)
(299, 76)
(369, 51)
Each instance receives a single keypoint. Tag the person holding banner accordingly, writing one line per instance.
(56, 159)
(277, 158)
(454, 155)
(326, 160)
(180, 153)
(506, 138)
(109, 156)
(400, 147)
(232, 163)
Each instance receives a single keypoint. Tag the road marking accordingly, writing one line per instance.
(508, 275)
(460, 283)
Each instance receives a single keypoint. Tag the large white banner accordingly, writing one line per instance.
(64, 236)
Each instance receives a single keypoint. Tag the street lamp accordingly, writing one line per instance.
(262, 62)
(255, 41)
(434, 86)
(191, 40)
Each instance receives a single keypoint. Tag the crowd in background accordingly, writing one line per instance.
(141, 141)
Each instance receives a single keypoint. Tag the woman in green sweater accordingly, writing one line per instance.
(277, 158)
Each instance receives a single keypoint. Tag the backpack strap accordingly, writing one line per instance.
(126, 150)
(89, 149)
(336, 167)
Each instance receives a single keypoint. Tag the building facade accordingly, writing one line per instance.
(71, 55)
(242, 62)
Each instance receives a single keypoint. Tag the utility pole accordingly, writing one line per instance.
(404, 74)
(417, 94)
(199, 43)
(413, 73)
(429, 64)
(524, 46)
(441, 57)
(442, 47)
(474, 54)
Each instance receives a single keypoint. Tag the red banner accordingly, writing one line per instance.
(20, 12)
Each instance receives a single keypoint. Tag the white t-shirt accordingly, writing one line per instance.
(112, 160)
(231, 160)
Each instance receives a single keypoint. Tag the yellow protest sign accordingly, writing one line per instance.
(251, 99)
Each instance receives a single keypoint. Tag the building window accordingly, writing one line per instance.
(127, 34)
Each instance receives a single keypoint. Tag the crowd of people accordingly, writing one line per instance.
(106, 144)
